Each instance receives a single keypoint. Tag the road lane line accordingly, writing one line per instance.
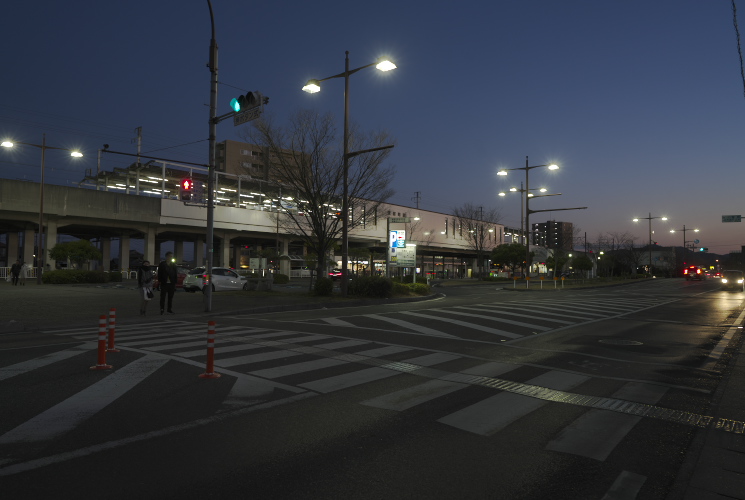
(494, 318)
(69, 413)
(422, 393)
(626, 486)
(497, 412)
(33, 364)
(411, 326)
(466, 324)
(597, 433)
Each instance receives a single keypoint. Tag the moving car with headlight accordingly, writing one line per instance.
(694, 273)
(733, 280)
(223, 278)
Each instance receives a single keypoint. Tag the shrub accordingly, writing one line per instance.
(324, 286)
(115, 277)
(419, 288)
(72, 276)
(371, 286)
(401, 289)
(281, 279)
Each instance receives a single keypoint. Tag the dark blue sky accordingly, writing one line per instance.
(640, 102)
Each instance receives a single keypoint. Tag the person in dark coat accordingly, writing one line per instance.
(167, 276)
(15, 270)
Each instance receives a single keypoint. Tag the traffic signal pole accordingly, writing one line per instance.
(211, 173)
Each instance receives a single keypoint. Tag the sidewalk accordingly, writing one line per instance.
(715, 463)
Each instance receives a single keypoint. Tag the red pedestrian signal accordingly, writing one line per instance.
(185, 189)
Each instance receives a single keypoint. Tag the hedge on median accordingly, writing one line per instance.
(73, 276)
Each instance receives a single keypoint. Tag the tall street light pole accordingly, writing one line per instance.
(523, 193)
(527, 169)
(312, 87)
(213, 120)
(39, 240)
(637, 219)
(684, 234)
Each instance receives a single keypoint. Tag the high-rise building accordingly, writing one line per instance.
(553, 234)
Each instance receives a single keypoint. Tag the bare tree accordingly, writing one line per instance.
(619, 251)
(309, 165)
(476, 224)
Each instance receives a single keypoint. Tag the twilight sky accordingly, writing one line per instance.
(639, 101)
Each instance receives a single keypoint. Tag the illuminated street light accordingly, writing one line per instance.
(522, 202)
(684, 233)
(527, 169)
(313, 86)
(637, 219)
(39, 242)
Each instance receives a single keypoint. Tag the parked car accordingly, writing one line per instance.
(223, 278)
(181, 275)
(733, 279)
(694, 273)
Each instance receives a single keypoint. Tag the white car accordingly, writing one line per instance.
(223, 278)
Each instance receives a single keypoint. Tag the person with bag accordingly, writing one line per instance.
(145, 278)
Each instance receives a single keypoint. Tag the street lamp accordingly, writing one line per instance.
(313, 86)
(551, 166)
(522, 202)
(684, 234)
(43, 146)
(637, 219)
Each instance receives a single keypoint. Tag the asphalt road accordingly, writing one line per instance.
(482, 393)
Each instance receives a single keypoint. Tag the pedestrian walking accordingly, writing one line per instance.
(167, 276)
(145, 277)
(15, 270)
(25, 270)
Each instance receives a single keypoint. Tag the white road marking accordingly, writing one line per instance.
(68, 414)
(596, 433)
(497, 412)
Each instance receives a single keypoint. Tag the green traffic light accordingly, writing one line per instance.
(235, 105)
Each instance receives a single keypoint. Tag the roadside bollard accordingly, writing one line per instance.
(112, 330)
(210, 370)
(101, 345)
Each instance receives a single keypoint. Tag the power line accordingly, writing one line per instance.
(739, 48)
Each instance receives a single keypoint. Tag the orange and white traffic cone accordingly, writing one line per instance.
(112, 330)
(210, 371)
(101, 345)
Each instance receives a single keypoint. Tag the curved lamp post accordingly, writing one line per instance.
(313, 86)
(527, 169)
(522, 203)
(43, 146)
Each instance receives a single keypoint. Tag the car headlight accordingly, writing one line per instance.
(740, 281)
(724, 280)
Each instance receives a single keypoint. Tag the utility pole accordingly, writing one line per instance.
(416, 198)
(212, 65)
(138, 131)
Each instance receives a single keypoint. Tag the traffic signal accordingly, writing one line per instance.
(185, 189)
(703, 249)
(249, 100)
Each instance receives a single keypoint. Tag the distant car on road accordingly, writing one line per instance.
(733, 279)
(335, 274)
(694, 273)
(223, 278)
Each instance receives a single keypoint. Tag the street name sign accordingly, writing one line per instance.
(731, 218)
(397, 220)
(246, 116)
